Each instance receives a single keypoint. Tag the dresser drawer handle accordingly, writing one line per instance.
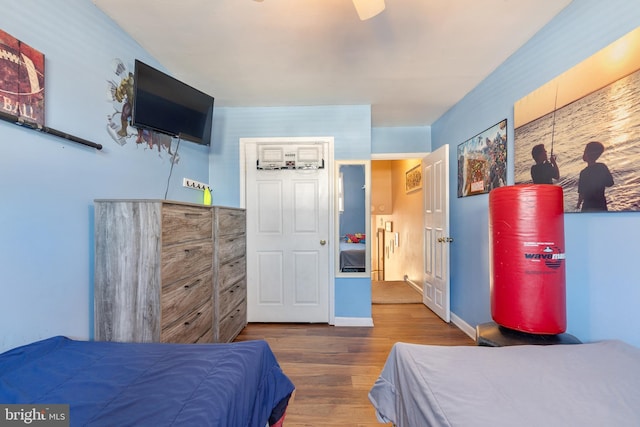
(197, 282)
(188, 323)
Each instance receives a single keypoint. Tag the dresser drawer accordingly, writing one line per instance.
(196, 326)
(229, 298)
(185, 260)
(181, 296)
(230, 247)
(231, 271)
(184, 223)
(231, 325)
(231, 221)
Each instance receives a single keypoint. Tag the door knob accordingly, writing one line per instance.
(323, 242)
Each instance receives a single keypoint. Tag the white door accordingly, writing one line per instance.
(435, 176)
(287, 242)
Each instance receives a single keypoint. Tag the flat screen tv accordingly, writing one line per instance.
(167, 105)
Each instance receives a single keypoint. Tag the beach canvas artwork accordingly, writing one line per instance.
(582, 131)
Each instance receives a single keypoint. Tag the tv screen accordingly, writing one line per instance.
(165, 104)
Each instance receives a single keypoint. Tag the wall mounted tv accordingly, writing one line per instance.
(167, 105)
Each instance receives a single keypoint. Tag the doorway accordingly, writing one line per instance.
(396, 224)
(286, 193)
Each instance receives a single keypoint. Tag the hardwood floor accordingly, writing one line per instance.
(333, 368)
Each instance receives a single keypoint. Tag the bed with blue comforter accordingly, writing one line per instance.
(152, 384)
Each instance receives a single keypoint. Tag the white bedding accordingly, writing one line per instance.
(595, 384)
(352, 256)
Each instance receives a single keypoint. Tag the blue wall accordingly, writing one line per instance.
(603, 287)
(353, 297)
(48, 184)
(410, 139)
(349, 125)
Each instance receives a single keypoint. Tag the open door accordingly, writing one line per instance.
(435, 174)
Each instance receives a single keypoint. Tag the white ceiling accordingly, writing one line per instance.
(411, 63)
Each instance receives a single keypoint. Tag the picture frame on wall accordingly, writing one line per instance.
(582, 129)
(482, 161)
(413, 179)
(22, 84)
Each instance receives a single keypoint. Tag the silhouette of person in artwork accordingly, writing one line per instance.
(593, 180)
(545, 170)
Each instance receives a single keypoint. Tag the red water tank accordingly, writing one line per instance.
(526, 235)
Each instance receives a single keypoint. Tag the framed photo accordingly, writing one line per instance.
(413, 179)
(22, 84)
(388, 226)
(581, 131)
(482, 161)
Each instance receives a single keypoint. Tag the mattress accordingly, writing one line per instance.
(352, 256)
(596, 384)
(109, 383)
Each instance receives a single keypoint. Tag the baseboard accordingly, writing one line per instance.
(464, 326)
(461, 324)
(414, 285)
(353, 321)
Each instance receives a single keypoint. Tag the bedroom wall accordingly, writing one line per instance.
(48, 184)
(406, 139)
(349, 125)
(603, 286)
(354, 140)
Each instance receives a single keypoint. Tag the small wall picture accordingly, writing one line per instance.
(22, 82)
(413, 179)
(388, 226)
(482, 161)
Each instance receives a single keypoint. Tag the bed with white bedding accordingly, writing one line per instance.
(352, 257)
(595, 384)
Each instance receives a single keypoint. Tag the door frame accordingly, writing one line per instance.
(329, 164)
(366, 164)
(402, 156)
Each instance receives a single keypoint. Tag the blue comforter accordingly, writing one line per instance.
(121, 384)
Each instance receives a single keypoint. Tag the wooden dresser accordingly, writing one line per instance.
(229, 273)
(168, 272)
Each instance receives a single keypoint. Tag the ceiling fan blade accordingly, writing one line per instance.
(368, 8)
